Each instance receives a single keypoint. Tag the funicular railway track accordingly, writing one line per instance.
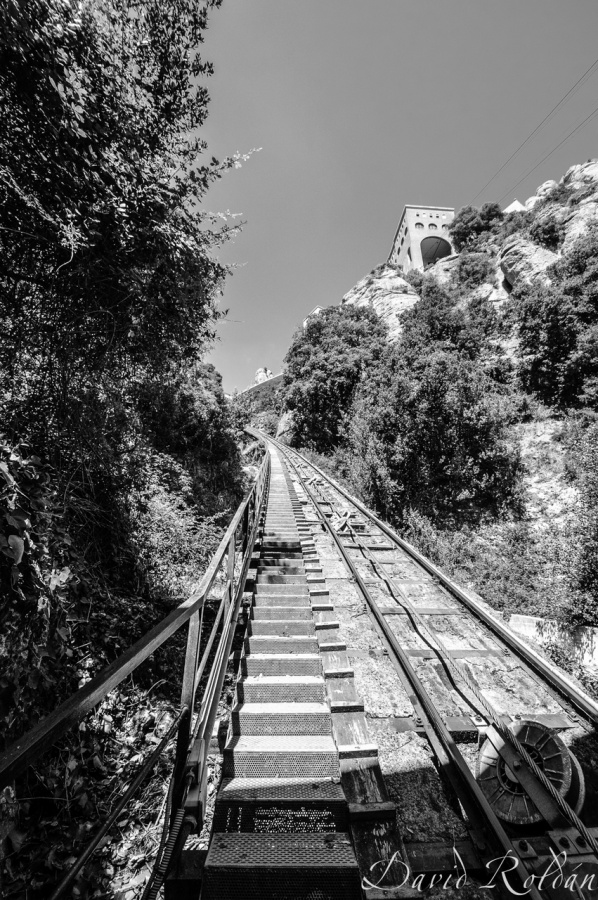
(364, 674)
(469, 679)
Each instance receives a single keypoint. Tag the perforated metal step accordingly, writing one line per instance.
(298, 644)
(286, 689)
(280, 578)
(284, 805)
(261, 600)
(296, 589)
(304, 756)
(283, 628)
(274, 613)
(284, 866)
(282, 718)
(281, 664)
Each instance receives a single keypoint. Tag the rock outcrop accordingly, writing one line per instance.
(262, 375)
(523, 261)
(387, 293)
(573, 216)
(541, 193)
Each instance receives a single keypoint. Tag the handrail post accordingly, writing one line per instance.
(187, 703)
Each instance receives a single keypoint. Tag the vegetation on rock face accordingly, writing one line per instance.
(118, 459)
(558, 329)
(324, 365)
(471, 225)
(435, 434)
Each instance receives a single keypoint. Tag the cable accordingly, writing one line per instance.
(567, 96)
(429, 634)
(544, 158)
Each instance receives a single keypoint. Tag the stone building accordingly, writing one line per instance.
(422, 237)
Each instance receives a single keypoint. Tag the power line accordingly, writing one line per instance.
(554, 149)
(583, 78)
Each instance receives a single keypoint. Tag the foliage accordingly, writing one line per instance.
(474, 269)
(325, 363)
(514, 566)
(106, 268)
(415, 278)
(261, 407)
(439, 318)
(585, 570)
(558, 329)
(119, 462)
(429, 434)
(547, 232)
(470, 224)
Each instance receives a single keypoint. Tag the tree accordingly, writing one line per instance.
(558, 329)
(430, 436)
(471, 223)
(325, 363)
(105, 262)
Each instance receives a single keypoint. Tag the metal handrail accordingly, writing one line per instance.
(239, 536)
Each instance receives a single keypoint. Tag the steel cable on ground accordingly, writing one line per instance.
(573, 90)
(504, 731)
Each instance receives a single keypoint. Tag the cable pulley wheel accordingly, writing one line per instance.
(501, 786)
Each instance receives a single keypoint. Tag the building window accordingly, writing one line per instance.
(433, 226)
(419, 224)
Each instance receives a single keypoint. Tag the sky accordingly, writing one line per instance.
(362, 106)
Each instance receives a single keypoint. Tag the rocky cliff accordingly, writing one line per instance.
(387, 292)
(553, 218)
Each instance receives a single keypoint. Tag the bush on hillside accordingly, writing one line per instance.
(474, 269)
(558, 329)
(439, 318)
(471, 225)
(548, 233)
(325, 362)
(431, 437)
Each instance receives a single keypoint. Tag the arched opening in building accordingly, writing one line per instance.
(434, 248)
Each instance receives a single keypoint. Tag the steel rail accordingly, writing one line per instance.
(567, 688)
(40, 738)
(433, 639)
(432, 721)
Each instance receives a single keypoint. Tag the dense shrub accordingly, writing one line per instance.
(439, 318)
(474, 269)
(430, 435)
(325, 362)
(547, 232)
(471, 224)
(558, 329)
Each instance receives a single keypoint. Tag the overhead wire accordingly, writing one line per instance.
(572, 90)
(549, 154)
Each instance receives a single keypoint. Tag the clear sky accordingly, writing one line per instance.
(361, 106)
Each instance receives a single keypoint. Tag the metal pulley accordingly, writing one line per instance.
(502, 774)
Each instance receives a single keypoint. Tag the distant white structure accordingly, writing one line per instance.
(315, 312)
(262, 375)
(515, 206)
(422, 237)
